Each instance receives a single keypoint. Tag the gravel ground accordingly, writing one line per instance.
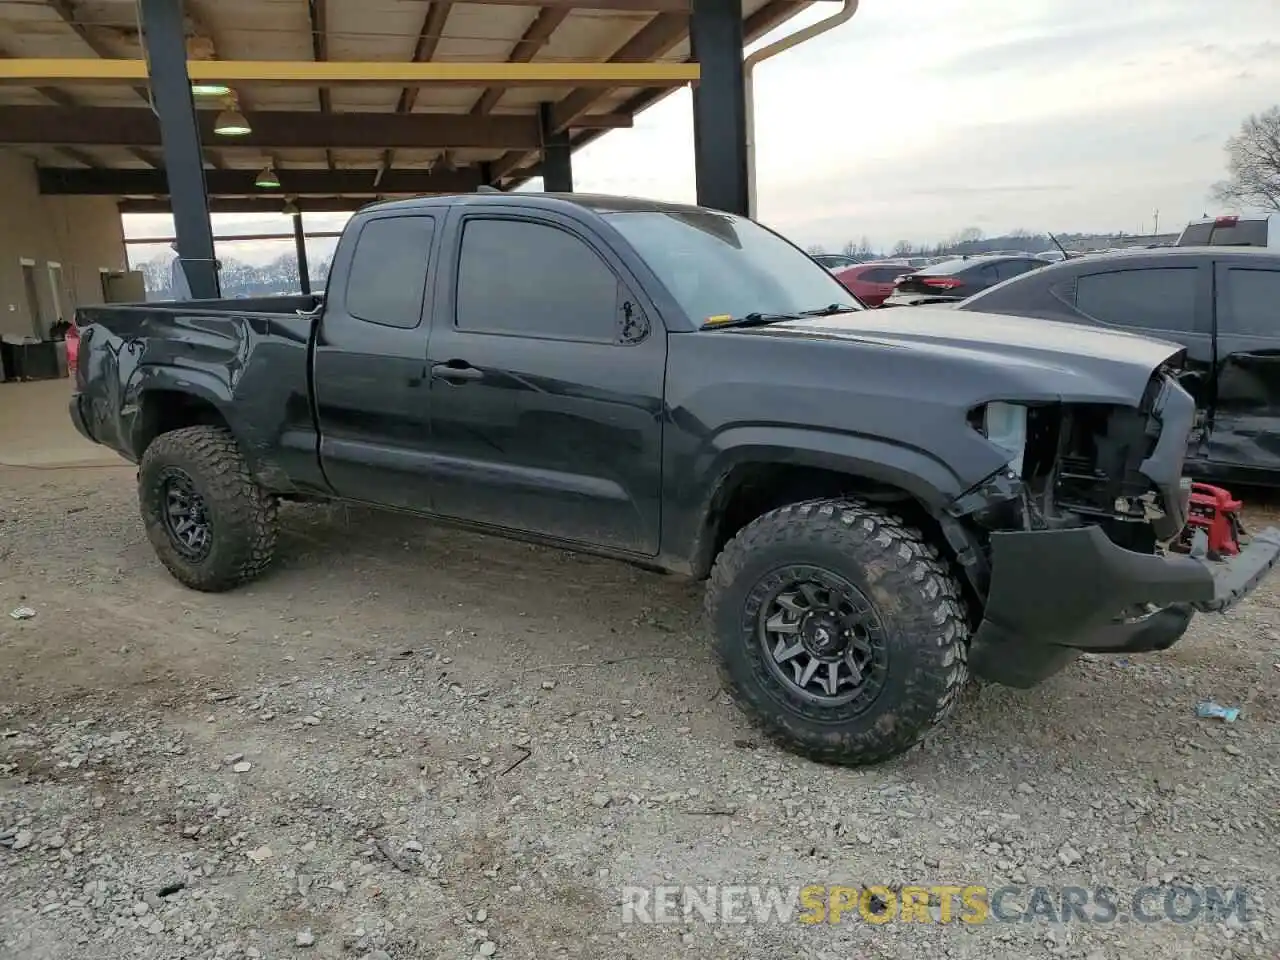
(412, 742)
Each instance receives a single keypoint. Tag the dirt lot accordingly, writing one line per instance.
(411, 742)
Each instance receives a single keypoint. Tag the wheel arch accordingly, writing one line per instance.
(750, 478)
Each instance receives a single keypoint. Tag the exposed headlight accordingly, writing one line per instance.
(1005, 425)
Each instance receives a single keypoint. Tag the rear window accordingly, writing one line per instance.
(947, 268)
(1241, 233)
(1157, 299)
(1249, 302)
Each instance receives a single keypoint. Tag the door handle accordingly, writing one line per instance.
(456, 373)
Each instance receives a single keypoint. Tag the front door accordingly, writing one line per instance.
(1246, 416)
(546, 384)
(370, 365)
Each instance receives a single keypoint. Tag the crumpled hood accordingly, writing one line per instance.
(1070, 361)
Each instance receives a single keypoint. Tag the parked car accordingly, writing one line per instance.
(1233, 231)
(1221, 303)
(876, 500)
(73, 347)
(836, 261)
(958, 278)
(872, 282)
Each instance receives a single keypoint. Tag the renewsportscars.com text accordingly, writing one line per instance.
(935, 903)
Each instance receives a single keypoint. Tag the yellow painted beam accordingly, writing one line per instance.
(331, 73)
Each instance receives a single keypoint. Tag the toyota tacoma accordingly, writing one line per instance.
(880, 501)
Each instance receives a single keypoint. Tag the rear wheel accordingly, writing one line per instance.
(211, 525)
(839, 630)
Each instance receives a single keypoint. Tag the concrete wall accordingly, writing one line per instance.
(83, 234)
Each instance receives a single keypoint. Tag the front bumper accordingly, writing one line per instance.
(1056, 592)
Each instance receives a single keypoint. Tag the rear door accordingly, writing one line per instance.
(370, 363)
(1246, 424)
(546, 383)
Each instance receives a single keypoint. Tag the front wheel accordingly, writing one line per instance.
(211, 525)
(838, 629)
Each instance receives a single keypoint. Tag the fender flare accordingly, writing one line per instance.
(922, 476)
(204, 386)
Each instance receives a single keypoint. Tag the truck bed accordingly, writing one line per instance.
(244, 360)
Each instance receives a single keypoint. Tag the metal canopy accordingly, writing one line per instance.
(344, 97)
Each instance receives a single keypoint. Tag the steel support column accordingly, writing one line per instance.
(719, 106)
(557, 162)
(166, 46)
(300, 244)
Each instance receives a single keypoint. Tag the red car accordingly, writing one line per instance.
(872, 282)
(73, 350)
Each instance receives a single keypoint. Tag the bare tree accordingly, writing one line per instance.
(1253, 164)
(903, 248)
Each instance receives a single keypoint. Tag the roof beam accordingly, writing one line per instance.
(525, 49)
(424, 50)
(617, 6)
(130, 127)
(61, 99)
(30, 72)
(260, 204)
(66, 12)
(771, 15)
(124, 183)
(318, 11)
(652, 40)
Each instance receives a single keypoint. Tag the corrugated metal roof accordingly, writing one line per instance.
(353, 30)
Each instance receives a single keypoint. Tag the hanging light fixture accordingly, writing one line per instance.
(230, 122)
(267, 178)
(210, 89)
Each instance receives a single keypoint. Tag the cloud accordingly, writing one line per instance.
(920, 117)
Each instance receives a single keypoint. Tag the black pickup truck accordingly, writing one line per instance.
(881, 501)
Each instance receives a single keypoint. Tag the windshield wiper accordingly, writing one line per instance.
(760, 319)
(749, 320)
(829, 310)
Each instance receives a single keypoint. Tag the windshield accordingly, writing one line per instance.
(720, 265)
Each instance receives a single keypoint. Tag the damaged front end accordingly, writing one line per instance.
(1067, 547)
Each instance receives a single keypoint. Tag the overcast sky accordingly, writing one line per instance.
(918, 118)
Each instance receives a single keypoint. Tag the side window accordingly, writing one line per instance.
(389, 271)
(885, 274)
(1016, 268)
(1250, 303)
(534, 280)
(989, 274)
(1160, 299)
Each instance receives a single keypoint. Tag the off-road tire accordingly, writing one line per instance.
(916, 596)
(242, 516)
